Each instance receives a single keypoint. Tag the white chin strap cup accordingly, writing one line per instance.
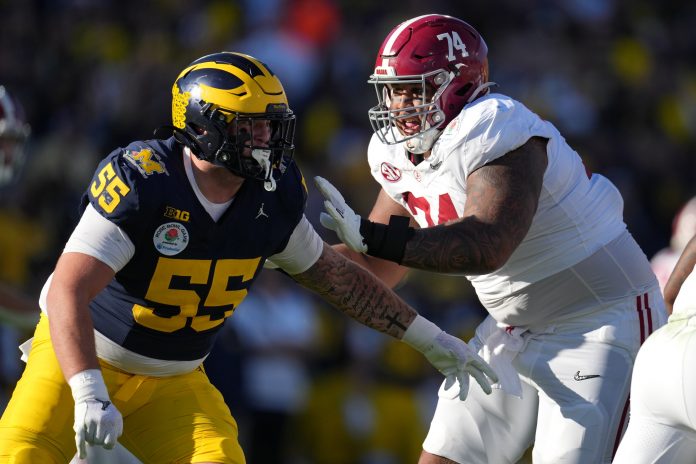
(423, 141)
(263, 158)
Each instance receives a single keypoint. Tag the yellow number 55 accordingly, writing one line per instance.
(109, 188)
(218, 305)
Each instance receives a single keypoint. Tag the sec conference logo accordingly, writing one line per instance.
(390, 172)
(171, 238)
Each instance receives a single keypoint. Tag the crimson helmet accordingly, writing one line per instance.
(14, 131)
(447, 57)
(215, 96)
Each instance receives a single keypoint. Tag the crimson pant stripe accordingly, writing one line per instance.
(639, 308)
(642, 304)
(648, 311)
(622, 426)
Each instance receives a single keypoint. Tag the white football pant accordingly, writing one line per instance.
(575, 385)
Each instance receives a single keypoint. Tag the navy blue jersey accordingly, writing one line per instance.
(189, 272)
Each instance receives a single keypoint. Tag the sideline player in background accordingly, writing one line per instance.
(173, 233)
(14, 132)
(495, 193)
(18, 311)
(662, 429)
(683, 228)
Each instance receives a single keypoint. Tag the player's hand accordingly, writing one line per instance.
(339, 217)
(97, 421)
(451, 356)
(456, 360)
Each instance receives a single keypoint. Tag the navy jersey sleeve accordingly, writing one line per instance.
(123, 188)
(293, 191)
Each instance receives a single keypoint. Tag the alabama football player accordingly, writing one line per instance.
(475, 183)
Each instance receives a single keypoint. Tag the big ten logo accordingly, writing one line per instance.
(177, 214)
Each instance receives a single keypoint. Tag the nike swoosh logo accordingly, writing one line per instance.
(585, 377)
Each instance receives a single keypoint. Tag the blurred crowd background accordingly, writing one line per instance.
(617, 77)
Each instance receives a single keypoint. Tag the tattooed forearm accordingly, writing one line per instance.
(357, 293)
(461, 247)
(502, 197)
(682, 269)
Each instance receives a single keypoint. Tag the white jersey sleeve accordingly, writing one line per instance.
(100, 238)
(488, 130)
(302, 251)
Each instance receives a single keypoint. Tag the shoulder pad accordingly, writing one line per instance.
(125, 179)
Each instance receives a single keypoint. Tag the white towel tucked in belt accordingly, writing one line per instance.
(25, 348)
(501, 343)
(497, 344)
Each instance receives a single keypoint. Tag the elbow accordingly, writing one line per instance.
(490, 265)
(493, 258)
(499, 258)
(498, 253)
(493, 265)
(476, 263)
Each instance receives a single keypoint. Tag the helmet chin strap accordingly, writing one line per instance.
(263, 157)
(481, 89)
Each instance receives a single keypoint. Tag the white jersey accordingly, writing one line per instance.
(577, 214)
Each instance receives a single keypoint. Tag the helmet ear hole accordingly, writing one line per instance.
(463, 90)
(198, 129)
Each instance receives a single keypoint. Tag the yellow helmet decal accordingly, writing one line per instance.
(268, 82)
(179, 102)
(258, 90)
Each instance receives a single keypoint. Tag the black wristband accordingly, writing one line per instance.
(387, 241)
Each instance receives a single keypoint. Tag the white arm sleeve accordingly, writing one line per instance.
(303, 249)
(100, 238)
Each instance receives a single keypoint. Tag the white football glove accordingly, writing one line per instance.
(97, 421)
(340, 218)
(451, 356)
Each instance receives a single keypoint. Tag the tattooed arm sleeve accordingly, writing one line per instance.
(357, 293)
(502, 197)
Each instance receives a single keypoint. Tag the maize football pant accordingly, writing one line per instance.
(177, 419)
